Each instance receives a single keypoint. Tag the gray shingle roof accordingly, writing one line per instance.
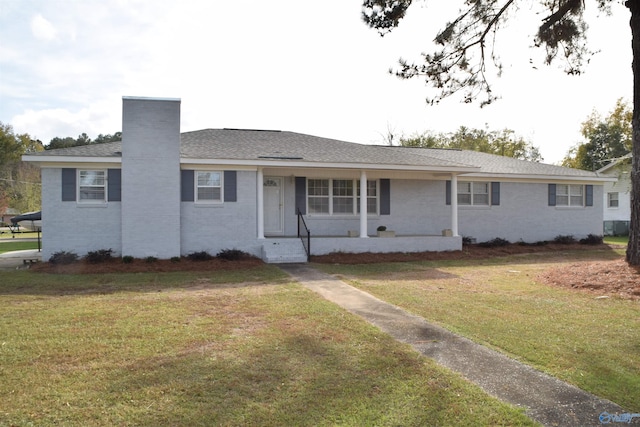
(270, 146)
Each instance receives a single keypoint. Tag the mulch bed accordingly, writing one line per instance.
(143, 266)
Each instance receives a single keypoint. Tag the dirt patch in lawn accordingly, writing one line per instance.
(603, 278)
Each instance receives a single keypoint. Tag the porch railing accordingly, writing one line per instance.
(304, 234)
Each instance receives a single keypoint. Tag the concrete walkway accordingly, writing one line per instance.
(546, 399)
(16, 259)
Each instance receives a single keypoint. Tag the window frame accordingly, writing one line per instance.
(80, 186)
(353, 194)
(570, 195)
(197, 186)
(610, 199)
(473, 194)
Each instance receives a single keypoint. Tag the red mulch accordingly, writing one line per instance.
(142, 266)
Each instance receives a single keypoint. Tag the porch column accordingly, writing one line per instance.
(363, 204)
(454, 204)
(260, 202)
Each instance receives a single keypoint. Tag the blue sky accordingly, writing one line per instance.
(309, 67)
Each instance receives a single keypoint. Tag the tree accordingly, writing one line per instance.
(83, 139)
(607, 138)
(19, 181)
(503, 142)
(465, 49)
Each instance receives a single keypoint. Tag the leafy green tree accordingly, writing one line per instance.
(503, 142)
(607, 138)
(82, 139)
(19, 181)
(464, 55)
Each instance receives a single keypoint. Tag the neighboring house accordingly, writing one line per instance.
(617, 197)
(162, 193)
(8, 213)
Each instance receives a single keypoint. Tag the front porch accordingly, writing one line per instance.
(291, 249)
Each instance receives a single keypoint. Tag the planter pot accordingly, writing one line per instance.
(353, 233)
(387, 233)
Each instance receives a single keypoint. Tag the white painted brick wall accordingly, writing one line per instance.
(231, 225)
(151, 177)
(69, 226)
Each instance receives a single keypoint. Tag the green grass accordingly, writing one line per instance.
(17, 246)
(22, 235)
(592, 343)
(616, 240)
(218, 348)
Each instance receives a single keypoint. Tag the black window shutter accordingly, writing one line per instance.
(301, 195)
(114, 185)
(186, 184)
(385, 197)
(495, 194)
(447, 191)
(68, 185)
(552, 194)
(230, 186)
(589, 195)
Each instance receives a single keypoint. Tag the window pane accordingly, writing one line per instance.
(342, 187)
(480, 188)
(91, 193)
(576, 201)
(562, 200)
(209, 179)
(481, 199)
(372, 205)
(562, 190)
(319, 205)
(343, 205)
(464, 199)
(464, 187)
(613, 200)
(91, 178)
(208, 193)
(318, 187)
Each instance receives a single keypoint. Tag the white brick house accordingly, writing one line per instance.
(162, 193)
(617, 196)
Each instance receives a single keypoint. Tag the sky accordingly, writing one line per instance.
(303, 66)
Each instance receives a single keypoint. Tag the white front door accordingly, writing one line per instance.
(273, 201)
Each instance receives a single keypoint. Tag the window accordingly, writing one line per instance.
(473, 193)
(209, 187)
(92, 186)
(372, 197)
(318, 191)
(569, 195)
(340, 196)
(612, 200)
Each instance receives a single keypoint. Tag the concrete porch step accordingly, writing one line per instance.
(278, 251)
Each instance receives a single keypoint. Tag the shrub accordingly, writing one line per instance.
(381, 228)
(200, 256)
(127, 259)
(63, 258)
(564, 240)
(232, 254)
(538, 243)
(102, 255)
(591, 239)
(468, 240)
(150, 259)
(175, 259)
(494, 243)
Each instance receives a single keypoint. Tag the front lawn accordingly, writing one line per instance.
(584, 338)
(212, 348)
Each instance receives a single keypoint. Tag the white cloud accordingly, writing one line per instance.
(43, 29)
